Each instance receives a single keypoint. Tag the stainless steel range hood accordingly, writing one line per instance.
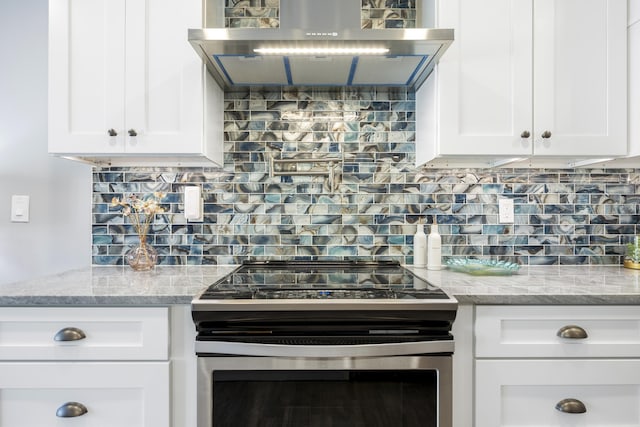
(233, 57)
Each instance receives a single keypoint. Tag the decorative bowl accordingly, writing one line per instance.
(482, 267)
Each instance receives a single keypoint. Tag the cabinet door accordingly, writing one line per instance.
(114, 394)
(84, 333)
(634, 87)
(580, 78)
(86, 76)
(525, 393)
(485, 78)
(125, 66)
(164, 80)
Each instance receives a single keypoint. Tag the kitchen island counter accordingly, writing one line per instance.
(169, 285)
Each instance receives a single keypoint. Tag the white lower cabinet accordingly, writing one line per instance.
(84, 367)
(557, 366)
(57, 394)
(532, 392)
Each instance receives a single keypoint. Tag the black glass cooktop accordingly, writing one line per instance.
(321, 280)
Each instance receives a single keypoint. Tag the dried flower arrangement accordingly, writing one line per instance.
(141, 211)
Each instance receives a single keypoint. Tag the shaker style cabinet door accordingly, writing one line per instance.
(527, 78)
(485, 78)
(550, 393)
(86, 76)
(95, 394)
(123, 77)
(633, 33)
(580, 77)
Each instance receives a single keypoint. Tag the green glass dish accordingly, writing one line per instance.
(482, 267)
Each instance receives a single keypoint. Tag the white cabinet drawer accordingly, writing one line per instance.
(525, 393)
(532, 331)
(114, 394)
(140, 333)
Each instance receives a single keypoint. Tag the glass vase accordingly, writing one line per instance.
(143, 257)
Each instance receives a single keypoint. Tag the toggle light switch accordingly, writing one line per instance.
(19, 208)
(193, 209)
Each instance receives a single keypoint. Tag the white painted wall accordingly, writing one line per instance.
(58, 237)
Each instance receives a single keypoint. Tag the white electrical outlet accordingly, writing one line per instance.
(193, 209)
(505, 211)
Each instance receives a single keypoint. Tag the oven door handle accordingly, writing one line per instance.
(361, 350)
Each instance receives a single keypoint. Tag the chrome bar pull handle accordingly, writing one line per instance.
(546, 134)
(132, 132)
(571, 406)
(525, 134)
(112, 132)
(71, 410)
(70, 334)
(572, 332)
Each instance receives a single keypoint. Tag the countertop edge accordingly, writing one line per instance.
(178, 285)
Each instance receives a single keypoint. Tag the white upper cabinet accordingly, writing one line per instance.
(125, 85)
(634, 80)
(634, 11)
(527, 79)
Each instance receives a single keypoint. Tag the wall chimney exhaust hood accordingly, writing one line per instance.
(318, 43)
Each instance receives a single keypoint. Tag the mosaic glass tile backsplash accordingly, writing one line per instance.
(365, 202)
(375, 14)
(252, 13)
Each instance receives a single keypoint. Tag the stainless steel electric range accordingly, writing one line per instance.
(297, 343)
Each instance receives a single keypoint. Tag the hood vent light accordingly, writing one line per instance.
(322, 50)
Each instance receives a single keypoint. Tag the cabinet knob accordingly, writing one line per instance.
(572, 332)
(571, 406)
(132, 132)
(525, 134)
(546, 134)
(112, 132)
(71, 409)
(70, 334)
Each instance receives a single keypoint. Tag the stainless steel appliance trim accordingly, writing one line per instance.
(361, 350)
(449, 304)
(442, 364)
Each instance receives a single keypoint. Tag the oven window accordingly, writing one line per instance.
(325, 398)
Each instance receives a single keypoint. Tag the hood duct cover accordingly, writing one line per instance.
(232, 58)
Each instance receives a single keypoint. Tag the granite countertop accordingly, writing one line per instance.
(178, 285)
(542, 285)
(118, 285)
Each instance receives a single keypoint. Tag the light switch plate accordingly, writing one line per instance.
(19, 208)
(193, 209)
(505, 211)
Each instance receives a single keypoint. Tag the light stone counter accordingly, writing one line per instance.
(542, 285)
(179, 284)
(114, 286)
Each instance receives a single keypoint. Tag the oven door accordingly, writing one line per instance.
(390, 391)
